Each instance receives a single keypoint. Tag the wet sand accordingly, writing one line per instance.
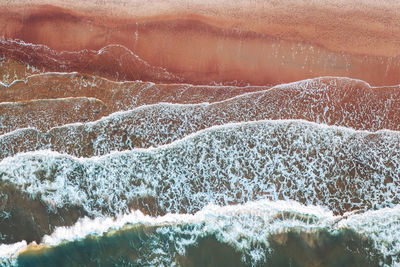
(251, 42)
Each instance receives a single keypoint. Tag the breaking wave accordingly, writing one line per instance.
(335, 167)
(254, 234)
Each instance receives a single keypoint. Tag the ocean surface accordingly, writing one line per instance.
(205, 133)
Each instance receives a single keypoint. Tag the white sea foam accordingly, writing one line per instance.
(335, 167)
(11, 250)
(320, 100)
(245, 227)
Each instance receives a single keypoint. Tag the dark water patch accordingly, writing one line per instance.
(210, 252)
(322, 248)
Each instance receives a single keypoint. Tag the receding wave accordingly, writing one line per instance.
(333, 101)
(116, 96)
(113, 61)
(44, 114)
(339, 168)
(11, 70)
(256, 233)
